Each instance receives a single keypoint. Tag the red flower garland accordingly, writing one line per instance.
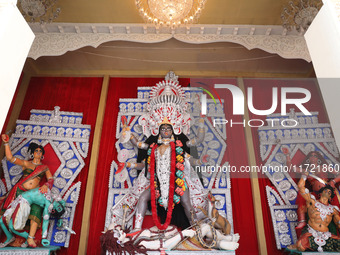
(171, 189)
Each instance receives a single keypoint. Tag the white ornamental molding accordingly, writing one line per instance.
(2, 188)
(284, 219)
(57, 38)
(286, 46)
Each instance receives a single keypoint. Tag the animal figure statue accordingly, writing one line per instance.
(15, 217)
(219, 222)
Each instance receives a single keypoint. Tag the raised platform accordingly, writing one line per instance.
(28, 251)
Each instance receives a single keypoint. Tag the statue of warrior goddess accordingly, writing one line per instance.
(165, 155)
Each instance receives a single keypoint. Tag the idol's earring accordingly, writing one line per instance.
(172, 138)
(319, 161)
(42, 157)
(31, 156)
(307, 161)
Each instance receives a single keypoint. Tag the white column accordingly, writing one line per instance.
(323, 42)
(16, 39)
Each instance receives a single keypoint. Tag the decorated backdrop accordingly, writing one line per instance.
(83, 95)
(69, 94)
(268, 144)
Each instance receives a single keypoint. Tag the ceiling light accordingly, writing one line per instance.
(170, 12)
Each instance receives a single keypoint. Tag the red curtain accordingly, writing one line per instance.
(74, 95)
(262, 98)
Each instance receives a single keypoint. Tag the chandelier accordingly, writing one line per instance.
(299, 14)
(170, 12)
(42, 11)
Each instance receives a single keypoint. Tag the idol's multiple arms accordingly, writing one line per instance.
(201, 134)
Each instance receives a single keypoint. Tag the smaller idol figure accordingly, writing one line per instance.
(315, 235)
(33, 172)
(316, 163)
(55, 116)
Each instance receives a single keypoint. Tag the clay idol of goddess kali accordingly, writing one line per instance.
(166, 155)
(164, 162)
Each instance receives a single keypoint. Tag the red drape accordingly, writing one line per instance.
(74, 95)
(262, 98)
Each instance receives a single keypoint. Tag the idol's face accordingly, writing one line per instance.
(327, 193)
(166, 131)
(38, 153)
(313, 158)
(58, 207)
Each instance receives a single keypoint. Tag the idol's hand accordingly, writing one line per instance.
(285, 151)
(205, 158)
(332, 183)
(121, 166)
(43, 189)
(5, 138)
(125, 130)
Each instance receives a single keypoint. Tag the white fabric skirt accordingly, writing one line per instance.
(21, 217)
